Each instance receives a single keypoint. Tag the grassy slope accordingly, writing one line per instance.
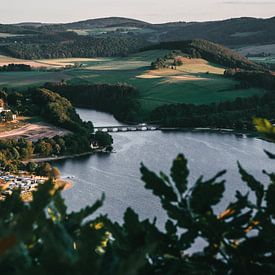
(154, 91)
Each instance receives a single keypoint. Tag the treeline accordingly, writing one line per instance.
(14, 152)
(121, 100)
(15, 68)
(72, 46)
(237, 114)
(58, 111)
(51, 106)
(170, 60)
(252, 78)
(212, 52)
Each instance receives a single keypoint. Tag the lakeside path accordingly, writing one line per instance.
(38, 160)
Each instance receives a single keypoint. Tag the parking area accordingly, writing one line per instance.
(26, 183)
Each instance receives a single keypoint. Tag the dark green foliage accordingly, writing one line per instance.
(15, 68)
(233, 32)
(41, 237)
(69, 44)
(103, 139)
(253, 78)
(58, 111)
(236, 115)
(119, 99)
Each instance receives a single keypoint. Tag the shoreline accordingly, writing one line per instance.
(72, 156)
(50, 159)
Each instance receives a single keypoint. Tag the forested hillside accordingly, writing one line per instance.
(91, 38)
(119, 100)
(212, 52)
(231, 32)
(75, 46)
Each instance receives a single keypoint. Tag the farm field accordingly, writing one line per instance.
(102, 31)
(196, 81)
(257, 49)
(268, 60)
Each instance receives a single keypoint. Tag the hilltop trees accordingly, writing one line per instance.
(15, 68)
(212, 52)
(103, 139)
(69, 44)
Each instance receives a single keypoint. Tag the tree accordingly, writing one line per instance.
(103, 139)
(8, 116)
(55, 173)
(31, 167)
(44, 169)
(43, 148)
(240, 240)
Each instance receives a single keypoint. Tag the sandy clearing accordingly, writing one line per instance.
(186, 60)
(190, 70)
(6, 60)
(66, 61)
(148, 76)
(177, 78)
(34, 132)
(119, 65)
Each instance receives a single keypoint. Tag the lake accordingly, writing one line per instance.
(117, 175)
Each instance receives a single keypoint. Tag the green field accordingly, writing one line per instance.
(187, 84)
(269, 60)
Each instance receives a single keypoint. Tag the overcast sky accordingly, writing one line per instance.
(12, 11)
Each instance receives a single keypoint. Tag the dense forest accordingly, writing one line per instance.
(15, 68)
(230, 32)
(237, 114)
(50, 106)
(252, 78)
(121, 100)
(71, 45)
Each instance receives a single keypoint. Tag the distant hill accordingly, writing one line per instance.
(234, 32)
(238, 31)
(107, 22)
(94, 37)
(212, 52)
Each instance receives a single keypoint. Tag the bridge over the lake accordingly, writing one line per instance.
(127, 128)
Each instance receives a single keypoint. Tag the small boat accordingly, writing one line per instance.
(239, 135)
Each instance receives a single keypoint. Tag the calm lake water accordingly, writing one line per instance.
(117, 175)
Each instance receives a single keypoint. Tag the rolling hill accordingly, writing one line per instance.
(234, 32)
(107, 22)
(212, 52)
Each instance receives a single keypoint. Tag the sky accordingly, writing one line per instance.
(154, 11)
